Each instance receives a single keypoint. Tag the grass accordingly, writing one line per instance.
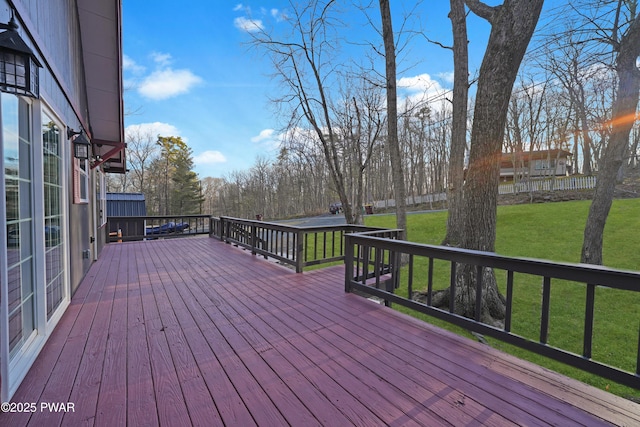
(553, 231)
(321, 245)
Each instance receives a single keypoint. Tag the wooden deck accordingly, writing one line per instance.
(195, 332)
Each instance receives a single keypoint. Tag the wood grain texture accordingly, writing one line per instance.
(195, 332)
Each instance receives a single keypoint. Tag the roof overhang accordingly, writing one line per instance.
(101, 32)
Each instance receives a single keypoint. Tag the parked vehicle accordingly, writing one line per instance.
(335, 208)
(169, 227)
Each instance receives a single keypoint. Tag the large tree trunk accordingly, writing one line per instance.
(512, 25)
(400, 191)
(459, 125)
(623, 117)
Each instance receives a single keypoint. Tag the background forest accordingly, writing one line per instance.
(562, 99)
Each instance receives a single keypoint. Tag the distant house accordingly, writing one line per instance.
(534, 164)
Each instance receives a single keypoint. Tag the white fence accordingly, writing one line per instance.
(550, 184)
(554, 184)
(412, 200)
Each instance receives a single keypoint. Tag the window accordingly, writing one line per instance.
(53, 213)
(80, 181)
(545, 164)
(17, 152)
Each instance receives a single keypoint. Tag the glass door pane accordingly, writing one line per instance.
(16, 150)
(53, 213)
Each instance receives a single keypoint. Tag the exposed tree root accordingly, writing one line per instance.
(493, 309)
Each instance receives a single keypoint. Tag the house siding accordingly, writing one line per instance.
(52, 29)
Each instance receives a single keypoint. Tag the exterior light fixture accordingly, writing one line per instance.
(80, 144)
(19, 67)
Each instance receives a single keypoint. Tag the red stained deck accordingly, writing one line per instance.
(194, 332)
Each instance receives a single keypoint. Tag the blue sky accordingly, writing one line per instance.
(189, 73)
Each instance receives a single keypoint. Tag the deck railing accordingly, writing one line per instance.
(299, 247)
(128, 228)
(379, 266)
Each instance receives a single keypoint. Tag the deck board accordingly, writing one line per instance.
(196, 332)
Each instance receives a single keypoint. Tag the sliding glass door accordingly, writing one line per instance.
(17, 153)
(53, 214)
(34, 283)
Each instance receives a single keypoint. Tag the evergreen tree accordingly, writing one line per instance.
(177, 185)
(186, 196)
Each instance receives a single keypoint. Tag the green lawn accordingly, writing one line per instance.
(554, 231)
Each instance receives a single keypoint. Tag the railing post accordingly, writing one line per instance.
(299, 251)
(223, 229)
(348, 262)
(254, 236)
(397, 263)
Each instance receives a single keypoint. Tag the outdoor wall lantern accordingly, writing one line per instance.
(19, 67)
(80, 144)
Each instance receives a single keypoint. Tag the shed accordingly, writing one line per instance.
(126, 204)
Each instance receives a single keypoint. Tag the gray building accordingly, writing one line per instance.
(126, 204)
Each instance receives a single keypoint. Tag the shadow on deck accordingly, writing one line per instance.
(195, 332)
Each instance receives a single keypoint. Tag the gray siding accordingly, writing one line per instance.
(126, 204)
(53, 30)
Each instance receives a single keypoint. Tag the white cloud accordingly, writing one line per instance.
(419, 83)
(278, 15)
(167, 83)
(268, 139)
(422, 89)
(154, 129)
(209, 157)
(238, 7)
(162, 59)
(302, 139)
(264, 135)
(129, 64)
(248, 25)
(163, 83)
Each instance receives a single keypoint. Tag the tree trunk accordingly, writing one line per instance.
(400, 192)
(512, 25)
(459, 123)
(623, 118)
(586, 138)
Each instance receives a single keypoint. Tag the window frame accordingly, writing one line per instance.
(80, 181)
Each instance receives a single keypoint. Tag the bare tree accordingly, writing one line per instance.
(512, 25)
(360, 120)
(211, 189)
(142, 148)
(625, 40)
(303, 64)
(392, 118)
(457, 15)
(567, 63)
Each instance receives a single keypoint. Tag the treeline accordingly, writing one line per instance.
(563, 99)
(541, 116)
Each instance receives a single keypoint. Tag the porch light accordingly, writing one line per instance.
(19, 67)
(80, 144)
